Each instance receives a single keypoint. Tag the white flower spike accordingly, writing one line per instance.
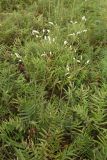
(65, 42)
(85, 30)
(35, 32)
(17, 55)
(78, 61)
(87, 61)
(51, 23)
(72, 34)
(67, 67)
(84, 18)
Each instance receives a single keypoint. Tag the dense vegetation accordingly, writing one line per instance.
(53, 80)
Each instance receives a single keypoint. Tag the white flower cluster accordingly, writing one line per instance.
(49, 39)
(51, 23)
(84, 18)
(73, 22)
(79, 32)
(46, 31)
(65, 42)
(46, 55)
(79, 60)
(46, 34)
(18, 57)
(67, 70)
(36, 33)
(76, 60)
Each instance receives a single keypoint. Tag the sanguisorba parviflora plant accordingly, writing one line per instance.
(53, 91)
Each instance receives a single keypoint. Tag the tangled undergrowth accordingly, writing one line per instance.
(53, 80)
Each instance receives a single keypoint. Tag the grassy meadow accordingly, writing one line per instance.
(53, 80)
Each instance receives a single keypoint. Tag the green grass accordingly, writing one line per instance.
(53, 80)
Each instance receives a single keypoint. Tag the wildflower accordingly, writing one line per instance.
(79, 32)
(72, 34)
(20, 60)
(43, 55)
(75, 22)
(71, 22)
(81, 57)
(51, 23)
(85, 30)
(70, 47)
(69, 77)
(35, 32)
(75, 50)
(65, 42)
(67, 67)
(45, 37)
(87, 61)
(50, 53)
(53, 39)
(48, 30)
(43, 30)
(37, 36)
(17, 55)
(49, 38)
(84, 18)
(66, 74)
(78, 61)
